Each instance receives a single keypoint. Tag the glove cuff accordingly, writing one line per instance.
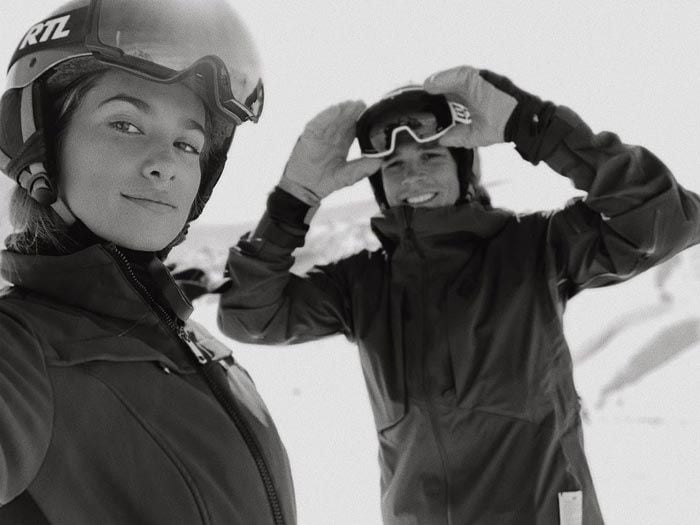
(533, 125)
(286, 208)
(302, 193)
(284, 222)
(536, 129)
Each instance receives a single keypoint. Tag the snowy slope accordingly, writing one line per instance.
(636, 354)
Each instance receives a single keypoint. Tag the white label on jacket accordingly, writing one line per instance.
(571, 508)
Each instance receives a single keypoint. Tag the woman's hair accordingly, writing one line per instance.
(38, 227)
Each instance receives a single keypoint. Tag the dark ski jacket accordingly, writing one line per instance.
(458, 320)
(107, 415)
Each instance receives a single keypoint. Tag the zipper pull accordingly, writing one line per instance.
(198, 354)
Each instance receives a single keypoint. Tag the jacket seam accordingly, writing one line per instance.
(47, 377)
(187, 478)
(503, 415)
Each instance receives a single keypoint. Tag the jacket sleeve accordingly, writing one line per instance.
(635, 214)
(265, 303)
(26, 407)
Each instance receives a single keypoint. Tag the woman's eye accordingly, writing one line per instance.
(125, 127)
(187, 148)
(431, 156)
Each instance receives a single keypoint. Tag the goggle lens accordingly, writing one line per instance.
(174, 39)
(421, 126)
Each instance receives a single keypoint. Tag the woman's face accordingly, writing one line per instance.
(420, 175)
(129, 161)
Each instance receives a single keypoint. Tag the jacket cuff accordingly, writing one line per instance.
(283, 224)
(288, 209)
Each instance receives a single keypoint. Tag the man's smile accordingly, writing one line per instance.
(421, 199)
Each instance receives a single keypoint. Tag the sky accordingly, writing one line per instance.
(627, 67)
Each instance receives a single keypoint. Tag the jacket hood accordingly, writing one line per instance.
(93, 280)
(424, 225)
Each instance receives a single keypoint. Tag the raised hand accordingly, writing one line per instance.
(318, 165)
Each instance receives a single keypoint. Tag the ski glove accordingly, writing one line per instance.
(500, 111)
(318, 165)
(193, 281)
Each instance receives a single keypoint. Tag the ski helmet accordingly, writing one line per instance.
(204, 45)
(378, 125)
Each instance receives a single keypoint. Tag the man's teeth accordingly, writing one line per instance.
(420, 199)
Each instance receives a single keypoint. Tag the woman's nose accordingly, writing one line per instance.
(160, 163)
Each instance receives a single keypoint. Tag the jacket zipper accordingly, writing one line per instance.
(250, 441)
(413, 244)
(409, 233)
(219, 394)
(433, 423)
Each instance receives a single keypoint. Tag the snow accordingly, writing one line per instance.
(636, 356)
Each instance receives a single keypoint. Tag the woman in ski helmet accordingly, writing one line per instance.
(116, 121)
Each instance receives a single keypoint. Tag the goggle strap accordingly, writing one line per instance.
(63, 211)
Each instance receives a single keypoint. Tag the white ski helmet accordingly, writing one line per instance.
(203, 44)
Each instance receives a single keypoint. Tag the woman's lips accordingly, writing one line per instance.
(151, 204)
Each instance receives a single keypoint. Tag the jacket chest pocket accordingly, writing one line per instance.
(499, 339)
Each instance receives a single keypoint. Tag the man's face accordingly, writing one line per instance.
(420, 175)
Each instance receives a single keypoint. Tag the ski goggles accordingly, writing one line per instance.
(424, 116)
(164, 41)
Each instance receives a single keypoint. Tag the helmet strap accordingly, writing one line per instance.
(63, 211)
(29, 166)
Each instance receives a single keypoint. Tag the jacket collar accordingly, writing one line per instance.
(427, 226)
(96, 278)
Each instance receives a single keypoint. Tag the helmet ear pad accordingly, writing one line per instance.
(468, 174)
(375, 181)
(10, 137)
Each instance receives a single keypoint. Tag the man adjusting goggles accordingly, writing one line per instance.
(458, 316)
